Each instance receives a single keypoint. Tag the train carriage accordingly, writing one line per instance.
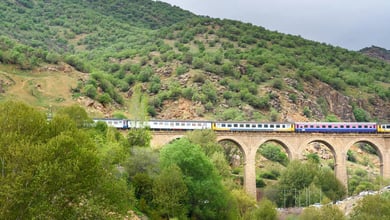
(253, 126)
(383, 128)
(112, 122)
(178, 125)
(336, 127)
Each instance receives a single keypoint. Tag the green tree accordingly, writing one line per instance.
(244, 202)
(274, 153)
(324, 213)
(139, 137)
(296, 177)
(372, 207)
(170, 193)
(266, 210)
(50, 170)
(77, 114)
(208, 199)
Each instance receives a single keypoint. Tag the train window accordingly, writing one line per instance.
(283, 126)
(347, 126)
(183, 124)
(329, 126)
(229, 125)
(253, 125)
(235, 125)
(359, 126)
(277, 126)
(306, 126)
(341, 126)
(247, 125)
(177, 123)
(223, 125)
(311, 126)
(259, 125)
(365, 126)
(323, 126)
(387, 126)
(241, 125)
(265, 126)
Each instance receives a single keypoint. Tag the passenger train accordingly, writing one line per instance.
(314, 127)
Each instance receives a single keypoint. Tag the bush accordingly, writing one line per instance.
(260, 183)
(274, 153)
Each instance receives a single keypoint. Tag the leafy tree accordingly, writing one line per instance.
(244, 202)
(330, 185)
(55, 174)
(274, 153)
(170, 193)
(296, 177)
(139, 137)
(77, 114)
(323, 213)
(372, 207)
(142, 160)
(360, 115)
(266, 210)
(207, 197)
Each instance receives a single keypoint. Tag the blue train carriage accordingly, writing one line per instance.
(336, 127)
(253, 126)
(384, 128)
(112, 122)
(179, 125)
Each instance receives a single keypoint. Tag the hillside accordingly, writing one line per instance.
(188, 66)
(377, 52)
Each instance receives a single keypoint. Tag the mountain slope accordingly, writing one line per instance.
(211, 68)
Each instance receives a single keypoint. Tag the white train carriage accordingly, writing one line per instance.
(178, 125)
(112, 122)
(253, 126)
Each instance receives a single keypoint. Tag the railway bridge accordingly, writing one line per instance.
(295, 145)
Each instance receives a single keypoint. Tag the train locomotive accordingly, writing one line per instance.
(298, 127)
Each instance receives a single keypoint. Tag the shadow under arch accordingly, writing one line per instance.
(281, 143)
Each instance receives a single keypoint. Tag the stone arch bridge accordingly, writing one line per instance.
(294, 144)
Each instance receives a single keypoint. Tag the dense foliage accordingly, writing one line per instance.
(52, 169)
(232, 64)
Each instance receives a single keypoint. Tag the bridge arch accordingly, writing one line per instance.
(236, 142)
(377, 146)
(280, 142)
(311, 140)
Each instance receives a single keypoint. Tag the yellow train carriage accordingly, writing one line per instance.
(383, 128)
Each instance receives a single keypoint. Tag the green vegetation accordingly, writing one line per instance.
(299, 180)
(69, 167)
(373, 207)
(274, 153)
(234, 64)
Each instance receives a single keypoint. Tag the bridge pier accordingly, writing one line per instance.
(385, 171)
(250, 174)
(340, 168)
